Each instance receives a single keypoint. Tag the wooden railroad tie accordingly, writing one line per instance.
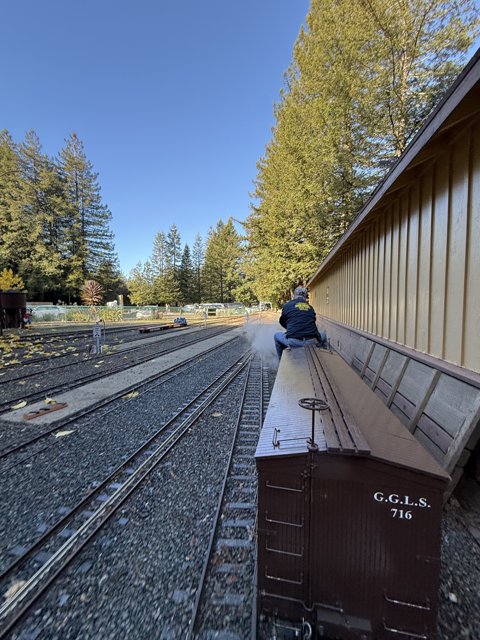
(44, 410)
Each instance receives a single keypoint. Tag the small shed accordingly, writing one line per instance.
(13, 304)
(349, 520)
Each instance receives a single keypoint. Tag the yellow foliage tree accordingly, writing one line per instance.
(8, 280)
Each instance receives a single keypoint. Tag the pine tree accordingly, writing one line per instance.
(185, 277)
(221, 271)
(167, 289)
(364, 75)
(173, 246)
(420, 49)
(43, 210)
(89, 239)
(111, 279)
(198, 257)
(159, 254)
(14, 232)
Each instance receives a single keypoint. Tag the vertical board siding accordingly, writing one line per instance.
(412, 274)
(402, 268)
(457, 248)
(393, 332)
(363, 274)
(381, 275)
(412, 268)
(388, 274)
(424, 259)
(439, 256)
(355, 290)
(375, 278)
(471, 329)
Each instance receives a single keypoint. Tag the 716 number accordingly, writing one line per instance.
(400, 513)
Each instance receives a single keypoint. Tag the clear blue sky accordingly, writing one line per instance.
(173, 100)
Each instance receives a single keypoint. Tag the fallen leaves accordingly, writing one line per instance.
(16, 586)
(128, 396)
(61, 434)
(132, 394)
(19, 405)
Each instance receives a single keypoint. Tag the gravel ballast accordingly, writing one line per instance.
(141, 573)
(138, 578)
(36, 492)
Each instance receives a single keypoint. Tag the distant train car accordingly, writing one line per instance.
(180, 322)
(349, 510)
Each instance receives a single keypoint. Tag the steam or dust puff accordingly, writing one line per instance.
(260, 335)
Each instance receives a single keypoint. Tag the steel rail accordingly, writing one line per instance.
(80, 505)
(91, 377)
(4, 453)
(27, 595)
(87, 333)
(197, 605)
(254, 623)
(55, 356)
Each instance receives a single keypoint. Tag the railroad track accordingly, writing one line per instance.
(36, 362)
(109, 330)
(145, 385)
(225, 598)
(38, 567)
(6, 405)
(84, 337)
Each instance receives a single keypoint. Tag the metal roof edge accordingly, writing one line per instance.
(464, 82)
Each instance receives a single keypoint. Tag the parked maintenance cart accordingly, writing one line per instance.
(349, 510)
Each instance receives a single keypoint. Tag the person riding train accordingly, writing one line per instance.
(298, 318)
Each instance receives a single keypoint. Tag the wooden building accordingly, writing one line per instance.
(399, 294)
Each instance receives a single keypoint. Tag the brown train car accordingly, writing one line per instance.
(349, 516)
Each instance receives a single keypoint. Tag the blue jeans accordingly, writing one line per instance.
(282, 342)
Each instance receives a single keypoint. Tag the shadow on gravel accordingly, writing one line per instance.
(459, 598)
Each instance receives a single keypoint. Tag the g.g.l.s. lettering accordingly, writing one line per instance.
(400, 502)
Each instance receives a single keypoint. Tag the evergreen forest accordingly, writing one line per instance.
(364, 76)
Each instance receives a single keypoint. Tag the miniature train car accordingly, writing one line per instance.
(349, 509)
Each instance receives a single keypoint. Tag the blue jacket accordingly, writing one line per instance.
(298, 318)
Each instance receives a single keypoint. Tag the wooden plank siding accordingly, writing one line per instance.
(471, 347)
(412, 274)
(399, 294)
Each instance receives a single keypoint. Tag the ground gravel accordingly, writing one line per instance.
(138, 577)
(459, 598)
(37, 492)
(52, 375)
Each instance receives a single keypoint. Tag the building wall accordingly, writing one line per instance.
(411, 274)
